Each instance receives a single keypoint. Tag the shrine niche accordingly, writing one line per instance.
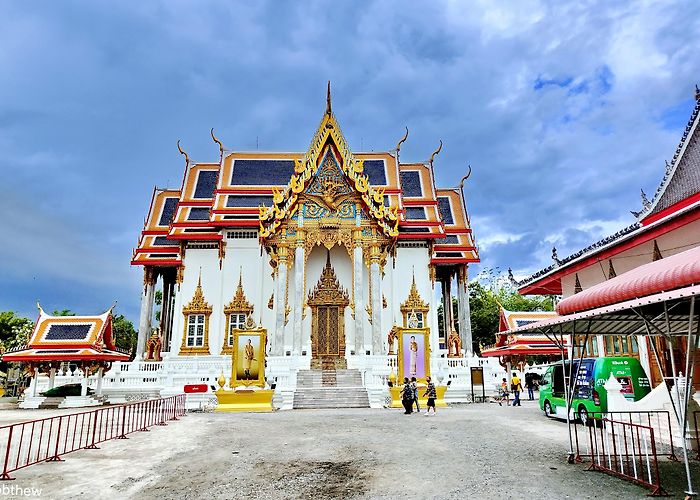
(328, 301)
(414, 310)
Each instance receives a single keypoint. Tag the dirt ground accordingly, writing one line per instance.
(467, 451)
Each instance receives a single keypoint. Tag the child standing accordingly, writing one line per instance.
(431, 393)
(414, 385)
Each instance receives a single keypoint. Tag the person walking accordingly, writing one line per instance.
(414, 385)
(530, 384)
(504, 395)
(431, 393)
(516, 387)
(407, 396)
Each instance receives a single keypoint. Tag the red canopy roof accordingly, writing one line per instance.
(670, 273)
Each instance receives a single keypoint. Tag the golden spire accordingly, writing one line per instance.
(414, 302)
(328, 99)
(197, 304)
(239, 303)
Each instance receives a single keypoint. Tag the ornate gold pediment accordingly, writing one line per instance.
(328, 290)
(329, 193)
(239, 303)
(414, 302)
(197, 305)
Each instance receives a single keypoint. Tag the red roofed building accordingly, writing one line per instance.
(668, 224)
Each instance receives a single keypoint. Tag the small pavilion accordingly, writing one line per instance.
(86, 341)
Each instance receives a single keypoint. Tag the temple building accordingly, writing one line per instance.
(666, 225)
(326, 250)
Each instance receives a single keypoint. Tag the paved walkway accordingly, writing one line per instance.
(469, 451)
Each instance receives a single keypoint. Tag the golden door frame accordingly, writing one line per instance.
(328, 293)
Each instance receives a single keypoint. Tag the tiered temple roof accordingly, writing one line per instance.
(231, 194)
(69, 338)
(676, 202)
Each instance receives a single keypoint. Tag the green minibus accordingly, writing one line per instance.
(590, 396)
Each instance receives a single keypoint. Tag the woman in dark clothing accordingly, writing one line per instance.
(407, 396)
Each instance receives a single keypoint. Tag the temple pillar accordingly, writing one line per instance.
(376, 283)
(463, 311)
(280, 300)
(98, 389)
(52, 377)
(446, 308)
(358, 266)
(84, 382)
(299, 264)
(166, 315)
(35, 381)
(149, 282)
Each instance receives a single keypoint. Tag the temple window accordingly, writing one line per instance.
(195, 339)
(195, 330)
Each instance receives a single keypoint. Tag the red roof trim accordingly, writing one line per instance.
(672, 209)
(161, 263)
(551, 284)
(457, 248)
(449, 230)
(412, 203)
(237, 223)
(446, 260)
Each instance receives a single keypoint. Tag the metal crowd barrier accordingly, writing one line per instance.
(625, 445)
(47, 439)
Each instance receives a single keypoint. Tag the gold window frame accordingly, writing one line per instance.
(196, 306)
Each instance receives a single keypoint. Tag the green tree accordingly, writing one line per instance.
(14, 330)
(63, 312)
(124, 333)
(487, 294)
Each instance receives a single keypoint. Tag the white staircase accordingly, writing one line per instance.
(330, 389)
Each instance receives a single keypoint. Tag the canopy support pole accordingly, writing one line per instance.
(689, 367)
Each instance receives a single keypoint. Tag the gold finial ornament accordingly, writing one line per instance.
(216, 140)
(469, 173)
(182, 152)
(435, 153)
(328, 99)
(403, 139)
(221, 380)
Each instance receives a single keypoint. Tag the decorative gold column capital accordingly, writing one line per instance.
(375, 254)
(301, 238)
(149, 275)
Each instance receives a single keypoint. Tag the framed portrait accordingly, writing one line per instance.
(248, 362)
(414, 354)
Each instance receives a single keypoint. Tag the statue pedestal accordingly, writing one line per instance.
(244, 400)
(423, 402)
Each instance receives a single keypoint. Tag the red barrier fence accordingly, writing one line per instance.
(45, 440)
(625, 450)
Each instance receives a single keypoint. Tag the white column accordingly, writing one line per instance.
(98, 389)
(35, 381)
(52, 377)
(463, 311)
(375, 276)
(83, 383)
(298, 291)
(280, 302)
(359, 297)
(146, 312)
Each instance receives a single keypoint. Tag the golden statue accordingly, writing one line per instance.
(454, 345)
(153, 346)
(248, 358)
(391, 338)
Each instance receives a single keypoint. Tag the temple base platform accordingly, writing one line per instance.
(244, 400)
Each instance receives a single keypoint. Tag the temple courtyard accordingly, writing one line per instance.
(466, 451)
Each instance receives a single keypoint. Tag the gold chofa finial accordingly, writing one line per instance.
(461, 183)
(187, 158)
(328, 99)
(432, 157)
(216, 140)
(403, 139)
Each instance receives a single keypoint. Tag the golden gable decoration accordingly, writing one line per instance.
(239, 303)
(414, 301)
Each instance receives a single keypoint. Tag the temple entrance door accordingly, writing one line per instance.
(328, 301)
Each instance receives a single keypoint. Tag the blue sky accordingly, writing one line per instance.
(564, 109)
